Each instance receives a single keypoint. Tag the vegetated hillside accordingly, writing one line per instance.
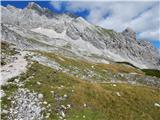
(152, 72)
(74, 99)
(68, 69)
(61, 87)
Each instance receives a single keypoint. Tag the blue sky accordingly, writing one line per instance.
(143, 17)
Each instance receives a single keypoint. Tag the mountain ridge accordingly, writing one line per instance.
(59, 67)
(106, 43)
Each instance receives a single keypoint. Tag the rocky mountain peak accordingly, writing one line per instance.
(83, 37)
(129, 32)
(10, 7)
(40, 10)
(33, 5)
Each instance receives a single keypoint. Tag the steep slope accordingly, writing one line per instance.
(76, 36)
(59, 87)
(60, 67)
(46, 92)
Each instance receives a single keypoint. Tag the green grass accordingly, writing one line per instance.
(109, 32)
(152, 72)
(102, 72)
(5, 48)
(135, 102)
(6, 103)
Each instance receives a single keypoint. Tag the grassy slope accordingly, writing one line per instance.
(135, 102)
(6, 50)
(152, 72)
(103, 72)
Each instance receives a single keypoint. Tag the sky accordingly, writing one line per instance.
(142, 16)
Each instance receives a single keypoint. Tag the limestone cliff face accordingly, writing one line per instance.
(39, 28)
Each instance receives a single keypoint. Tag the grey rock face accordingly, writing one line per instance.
(129, 33)
(84, 38)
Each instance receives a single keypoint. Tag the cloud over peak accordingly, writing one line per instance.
(143, 17)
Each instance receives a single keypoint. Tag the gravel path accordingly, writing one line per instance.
(13, 69)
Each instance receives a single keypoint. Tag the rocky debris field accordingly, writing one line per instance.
(26, 105)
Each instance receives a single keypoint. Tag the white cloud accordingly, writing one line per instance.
(150, 35)
(142, 16)
(56, 5)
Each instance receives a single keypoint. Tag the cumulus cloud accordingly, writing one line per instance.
(142, 16)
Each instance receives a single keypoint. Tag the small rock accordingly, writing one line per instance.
(68, 106)
(60, 117)
(43, 108)
(47, 115)
(72, 90)
(156, 104)
(38, 83)
(49, 105)
(9, 98)
(52, 92)
(11, 66)
(62, 114)
(85, 105)
(63, 107)
(65, 96)
(118, 94)
(40, 96)
(45, 102)
(5, 111)
(16, 80)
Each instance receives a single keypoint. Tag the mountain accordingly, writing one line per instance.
(84, 39)
(61, 67)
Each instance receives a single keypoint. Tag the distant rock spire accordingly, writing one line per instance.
(129, 32)
(35, 6)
